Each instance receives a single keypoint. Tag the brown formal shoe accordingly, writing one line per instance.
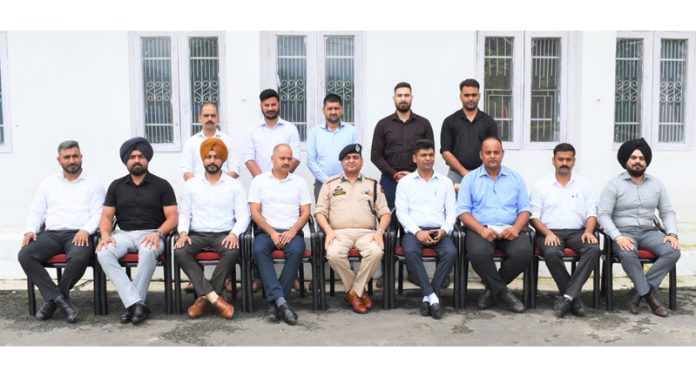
(296, 285)
(633, 301)
(356, 302)
(367, 301)
(226, 310)
(656, 306)
(189, 288)
(228, 285)
(196, 310)
(256, 285)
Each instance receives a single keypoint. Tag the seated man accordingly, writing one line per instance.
(145, 209)
(494, 207)
(213, 213)
(279, 202)
(425, 203)
(564, 214)
(69, 204)
(626, 209)
(349, 205)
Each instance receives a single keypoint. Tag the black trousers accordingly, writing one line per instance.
(480, 253)
(589, 255)
(48, 244)
(186, 255)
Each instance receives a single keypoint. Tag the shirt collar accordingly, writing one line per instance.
(483, 172)
(147, 179)
(396, 117)
(463, 116)
(570, 182)
(416, 175)
(200, 134)
(345, 179)
(326, 127)
(281, 122)
(627, 177)
(79, 177)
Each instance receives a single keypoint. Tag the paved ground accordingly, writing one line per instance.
(338, 326)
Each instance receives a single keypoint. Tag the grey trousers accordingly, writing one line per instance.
(589, 254)
(454, 176)
(185, 256)
(651, 240)
(129, 291)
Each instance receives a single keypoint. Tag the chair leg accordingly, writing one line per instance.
(596, 288)
(301, 278)
(673, 289)
(534, 282)
(401, 278)
(332, 282)
(31, 297)
(609, 288)
(177, 287)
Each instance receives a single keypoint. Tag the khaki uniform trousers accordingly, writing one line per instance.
(371, 253)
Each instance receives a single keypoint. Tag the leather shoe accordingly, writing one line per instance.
(485, 300)
(189, 288)
(356, 302)
(196, 310)
(67, 307)
(633, 301)
(256, 285)
(127, 315)
(578, 308)
(512, 302)
(446, 282)
(228, 285)
(225, 309)
(288, 315)
(561, 306)
(46, 310)
(272, 313)
(425, 308)
(657, 307)
(436, 310)
(140, 313)
(367, 301)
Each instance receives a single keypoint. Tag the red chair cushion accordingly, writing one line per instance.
(399, 251)
(280, 254)
(207, 255)
(58, 258)
(133, 258)
(499, 254)
(354, 253)
(644, 254)
(567, 252)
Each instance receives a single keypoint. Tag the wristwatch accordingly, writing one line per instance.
(673, 235)
(159, 234)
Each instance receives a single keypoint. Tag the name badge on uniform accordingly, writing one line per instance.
(338, 191)
(367, 192)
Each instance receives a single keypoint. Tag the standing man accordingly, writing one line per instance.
(214, 213)
(626, 209)
(493, 205)
(144, 206)
(349, 205)
(265, 136)
(425, 205)
(393, 140)
(69, 204)
(463, 131)
(279, 203)
(564, 214)
(191, 163)
(325, 142)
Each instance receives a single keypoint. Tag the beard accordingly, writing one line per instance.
(270, 114)
(636, 171)
(212, 169)
(403, 107)
(72, 169)
(137, 170)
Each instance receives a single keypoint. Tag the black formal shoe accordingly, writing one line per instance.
(512, 302)
(485, 300)
(633, 301)
(657, 307)
(127, 315)
(436, 310)
(425, 308)
(46, 310)
(446, 282)
(578, 308)
(67, 307)
(140, 313)
(272, 313)
(561, 306)
(288, 315)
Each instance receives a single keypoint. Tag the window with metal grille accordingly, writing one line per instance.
(307, 66)
(176, 73)
(652, 86)
(523, 86)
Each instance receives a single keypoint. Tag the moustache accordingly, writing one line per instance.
(286, 165)
(564, 167)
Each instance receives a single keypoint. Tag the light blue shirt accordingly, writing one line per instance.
(323, 147)
(262, 139)
(493, 201)
(429, 204)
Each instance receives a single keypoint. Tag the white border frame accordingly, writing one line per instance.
(5, 147)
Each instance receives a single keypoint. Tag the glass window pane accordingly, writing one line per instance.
(204, 63)
(292, 78)
(545, 122)
(629, 87)
(673, 62)
(498, 98)
(340, 71)
(157, 87)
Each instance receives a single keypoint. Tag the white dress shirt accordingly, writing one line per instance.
(191, 156)
(280, 199)
(262, 139)
(559, 207)
(428, 204)
(221, 207)
(62, 204)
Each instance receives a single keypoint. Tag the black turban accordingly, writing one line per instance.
(139, 143)
(628, 147)
(350, 148)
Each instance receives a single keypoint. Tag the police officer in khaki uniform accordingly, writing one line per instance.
(347, 210)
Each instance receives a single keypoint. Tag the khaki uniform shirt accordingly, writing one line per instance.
(348, 205)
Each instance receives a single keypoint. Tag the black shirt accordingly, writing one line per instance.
(140, 207)
(463, 138)
(393, 140)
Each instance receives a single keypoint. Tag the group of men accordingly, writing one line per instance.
(353, 210)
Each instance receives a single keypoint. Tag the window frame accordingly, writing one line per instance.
(6, 146)
(181, 86)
